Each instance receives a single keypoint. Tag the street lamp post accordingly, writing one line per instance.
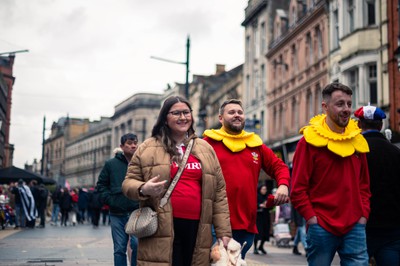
(181, 63)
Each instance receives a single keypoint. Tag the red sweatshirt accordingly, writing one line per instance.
(241, 171)
(331, 187)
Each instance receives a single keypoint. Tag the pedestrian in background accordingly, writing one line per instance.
(41, 204)
(95, 204)
(34, 188)
(105, 214)
(263, 220)
(198, 200)
(65, 205)
(330, 182)
(300, 235)
(73, 214)
(25, 209)
(82, 205)
(242, 155)
(55, 197)
(109, 185)
(383, 226)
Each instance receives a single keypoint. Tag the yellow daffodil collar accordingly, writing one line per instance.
(235, 143)
(318, 134)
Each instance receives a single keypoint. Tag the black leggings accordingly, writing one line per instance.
(185, 234)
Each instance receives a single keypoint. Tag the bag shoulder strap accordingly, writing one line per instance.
(171, 187)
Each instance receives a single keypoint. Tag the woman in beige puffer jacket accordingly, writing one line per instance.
(148, 175)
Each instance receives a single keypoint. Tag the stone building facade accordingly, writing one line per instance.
(258, 24)
(358, 34)
(298, 61)
(393, 8)
(6, 89)
(85, 154)
(209, 92)
(62, 131)
(136, 114)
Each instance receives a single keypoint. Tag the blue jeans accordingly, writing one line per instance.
(120, 241)
(242, 236)
(300, 236)
(351, 247)
(19, 215)
(384, 245)
(55, 212)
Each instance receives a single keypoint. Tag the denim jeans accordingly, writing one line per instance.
(300, 236)
(351, 247)
(55, 212)
(384, 245)
(19, 215)
(242, 236)
(120, 241)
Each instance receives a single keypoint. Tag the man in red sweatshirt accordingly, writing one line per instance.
(330, 182)
(242, 155)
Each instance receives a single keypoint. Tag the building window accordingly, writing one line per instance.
(263, 38)
(263, 87)
(275, 123)
(293, 16)
(372, 82)
(256, 84)
(335, 37)
(295, 114)
(247, 49)
(318, 99)
(369, 12)
(294, 59)
(247, 90)
(350, 13)
(309, 49)
(319, 45)
(261, 125)
(309, 105)
(256, 44)
(353, 84)
(281, 120)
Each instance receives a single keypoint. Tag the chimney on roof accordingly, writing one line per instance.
(219, 69)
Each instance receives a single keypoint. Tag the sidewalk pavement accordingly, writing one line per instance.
(85, 245)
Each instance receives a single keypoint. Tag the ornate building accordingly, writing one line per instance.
(298, 63)
(85, 154)
(6, 88)
(62, 131)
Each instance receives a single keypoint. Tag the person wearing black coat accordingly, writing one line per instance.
(41, 204)
(95, 203)
(383, 226)
(65, 206)
(82, 205)
(263, 220)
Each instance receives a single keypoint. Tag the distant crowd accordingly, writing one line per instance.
(35, 205)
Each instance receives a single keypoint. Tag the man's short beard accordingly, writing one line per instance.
(236, 129)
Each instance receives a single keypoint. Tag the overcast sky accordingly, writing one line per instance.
(87, 56)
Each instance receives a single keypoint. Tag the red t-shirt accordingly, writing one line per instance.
(186, 196)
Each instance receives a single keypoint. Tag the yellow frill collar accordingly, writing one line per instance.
(235, 143)
(318, 134)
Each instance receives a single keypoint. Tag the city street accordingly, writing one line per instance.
(84, 245)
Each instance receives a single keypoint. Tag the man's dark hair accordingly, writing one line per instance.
(366, 124)
(234, 101)
(128, 136)
(332, 87)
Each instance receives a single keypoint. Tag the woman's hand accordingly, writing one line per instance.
(153, 187)
(225, 240)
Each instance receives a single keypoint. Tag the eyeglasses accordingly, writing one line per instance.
(178, 113)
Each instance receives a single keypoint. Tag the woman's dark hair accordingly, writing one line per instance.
(161, 130)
